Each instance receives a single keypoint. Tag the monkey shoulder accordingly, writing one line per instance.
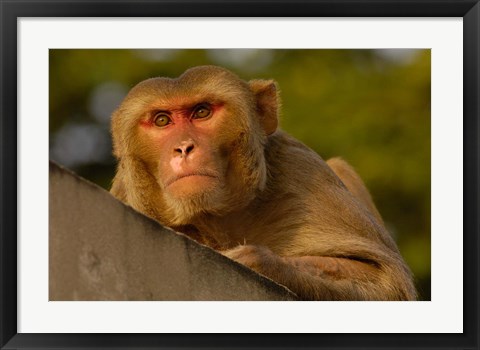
(291, 161)
(305, 187)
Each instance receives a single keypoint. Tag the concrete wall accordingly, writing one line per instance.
(101, 249)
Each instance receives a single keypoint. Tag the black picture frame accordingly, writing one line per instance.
(12, 10)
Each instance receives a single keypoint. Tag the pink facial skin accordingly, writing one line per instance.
(187, 161)
(177, 114)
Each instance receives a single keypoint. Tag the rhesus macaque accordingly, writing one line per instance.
(202, 154)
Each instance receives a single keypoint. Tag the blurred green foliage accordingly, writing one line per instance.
(371, 107)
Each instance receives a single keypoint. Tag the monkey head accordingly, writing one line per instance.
(193, 145)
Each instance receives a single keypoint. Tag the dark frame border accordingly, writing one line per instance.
(10, 10)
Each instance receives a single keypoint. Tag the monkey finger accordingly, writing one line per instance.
(250, 255)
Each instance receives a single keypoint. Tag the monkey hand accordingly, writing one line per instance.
(258, 258)
(263, 261)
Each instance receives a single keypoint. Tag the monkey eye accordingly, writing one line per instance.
(202, 111)
(162, 119)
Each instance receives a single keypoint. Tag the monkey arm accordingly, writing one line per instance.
(321, 278)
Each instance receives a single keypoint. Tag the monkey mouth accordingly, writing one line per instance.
(179, 177)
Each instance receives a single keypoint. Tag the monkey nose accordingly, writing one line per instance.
(185, 148)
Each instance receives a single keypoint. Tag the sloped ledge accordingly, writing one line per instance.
(101, 249)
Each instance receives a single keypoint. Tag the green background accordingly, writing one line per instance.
(371, 107)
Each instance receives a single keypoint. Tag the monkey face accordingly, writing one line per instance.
(201, 139)
(188, 155)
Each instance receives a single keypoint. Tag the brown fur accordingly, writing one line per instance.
(270, 203)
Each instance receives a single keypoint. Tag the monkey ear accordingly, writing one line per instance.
(266, 96)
